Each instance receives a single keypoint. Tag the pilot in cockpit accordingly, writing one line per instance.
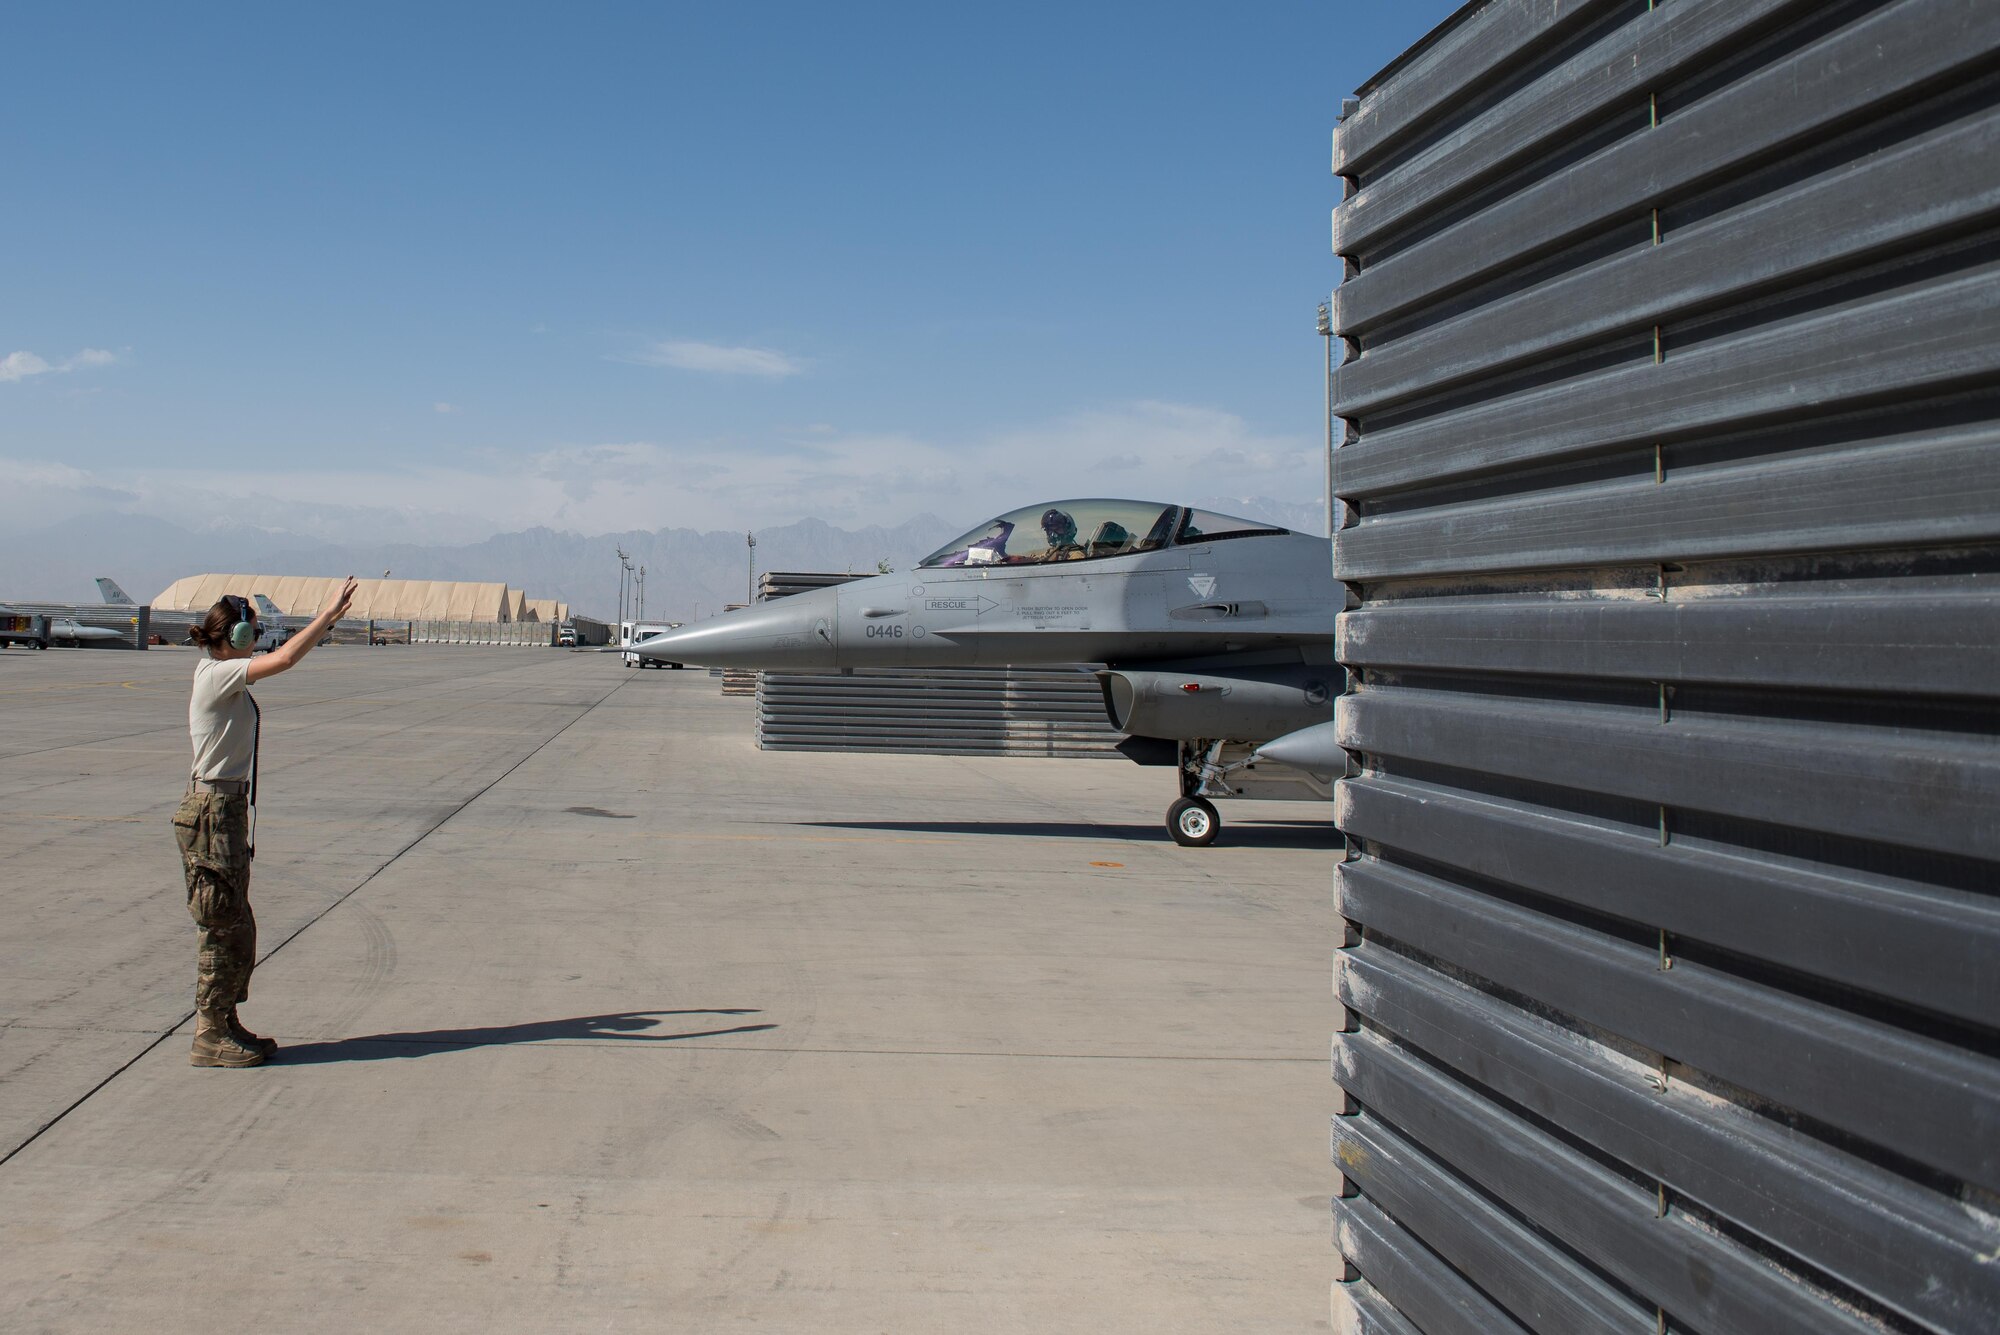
(1059, 527)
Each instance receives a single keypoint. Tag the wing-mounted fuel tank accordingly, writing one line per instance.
(1206, 700)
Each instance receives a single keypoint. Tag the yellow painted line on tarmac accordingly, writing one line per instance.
(101, 820)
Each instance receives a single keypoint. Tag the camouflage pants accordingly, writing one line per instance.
(214, 834)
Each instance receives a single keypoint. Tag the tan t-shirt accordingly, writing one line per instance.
(222, 719)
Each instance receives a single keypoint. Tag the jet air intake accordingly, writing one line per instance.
(1160, 701)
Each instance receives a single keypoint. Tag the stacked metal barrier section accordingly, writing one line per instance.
(531, 633)
(940, 711)
(1671, 487)
(1001, 711)
(784, 583)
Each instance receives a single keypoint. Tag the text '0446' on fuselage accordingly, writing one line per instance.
(1212, 631)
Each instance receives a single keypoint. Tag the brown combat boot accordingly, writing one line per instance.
(237, 1031)
(214, 1045)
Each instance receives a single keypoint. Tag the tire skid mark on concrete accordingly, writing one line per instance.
(377, 966)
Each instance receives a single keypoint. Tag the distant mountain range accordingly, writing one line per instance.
(686, 570)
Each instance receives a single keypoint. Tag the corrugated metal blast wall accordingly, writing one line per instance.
(1050, 711)
(1672, 991)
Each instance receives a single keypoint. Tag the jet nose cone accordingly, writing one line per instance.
(790, 633)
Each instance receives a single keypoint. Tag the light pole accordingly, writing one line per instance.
(623, 566)
(639, 588)
(750, 585)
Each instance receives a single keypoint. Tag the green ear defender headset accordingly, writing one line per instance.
(244, 633)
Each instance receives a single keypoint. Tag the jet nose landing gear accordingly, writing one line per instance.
(1192, 820)
(1193, 823)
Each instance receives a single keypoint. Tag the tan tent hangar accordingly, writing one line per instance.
(546, 610)
(374, 599)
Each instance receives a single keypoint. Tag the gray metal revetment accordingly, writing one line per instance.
(1668, 462)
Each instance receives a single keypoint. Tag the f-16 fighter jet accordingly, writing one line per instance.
(1215, 635)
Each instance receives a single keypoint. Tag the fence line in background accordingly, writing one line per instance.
(535, 633)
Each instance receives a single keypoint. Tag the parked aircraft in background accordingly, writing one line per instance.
(272, 631)
(1216, 635)
(67, 630)
(108, 589)
(273, 634)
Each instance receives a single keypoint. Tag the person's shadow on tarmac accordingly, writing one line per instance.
(621, 1027)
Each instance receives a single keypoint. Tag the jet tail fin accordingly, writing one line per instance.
(265, 607)
(112, 593)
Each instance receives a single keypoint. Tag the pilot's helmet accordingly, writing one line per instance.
(1059, 528)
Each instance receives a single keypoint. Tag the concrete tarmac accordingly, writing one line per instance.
(596, 1018)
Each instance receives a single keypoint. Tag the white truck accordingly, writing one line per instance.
(631, 632)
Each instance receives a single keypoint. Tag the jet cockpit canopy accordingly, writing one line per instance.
(1088, 530)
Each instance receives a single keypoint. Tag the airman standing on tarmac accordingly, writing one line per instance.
(214, 821)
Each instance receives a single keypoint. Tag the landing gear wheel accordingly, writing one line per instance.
(1193, 822)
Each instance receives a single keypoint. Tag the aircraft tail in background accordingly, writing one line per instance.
(112, 593)
(265, 607)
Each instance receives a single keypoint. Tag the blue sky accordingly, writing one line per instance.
(374, 270)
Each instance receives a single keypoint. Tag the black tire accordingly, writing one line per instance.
(1193, 823)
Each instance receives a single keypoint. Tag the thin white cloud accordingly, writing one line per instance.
(22, 365)
(444, 409)
(718, 359)
(1158, 451)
